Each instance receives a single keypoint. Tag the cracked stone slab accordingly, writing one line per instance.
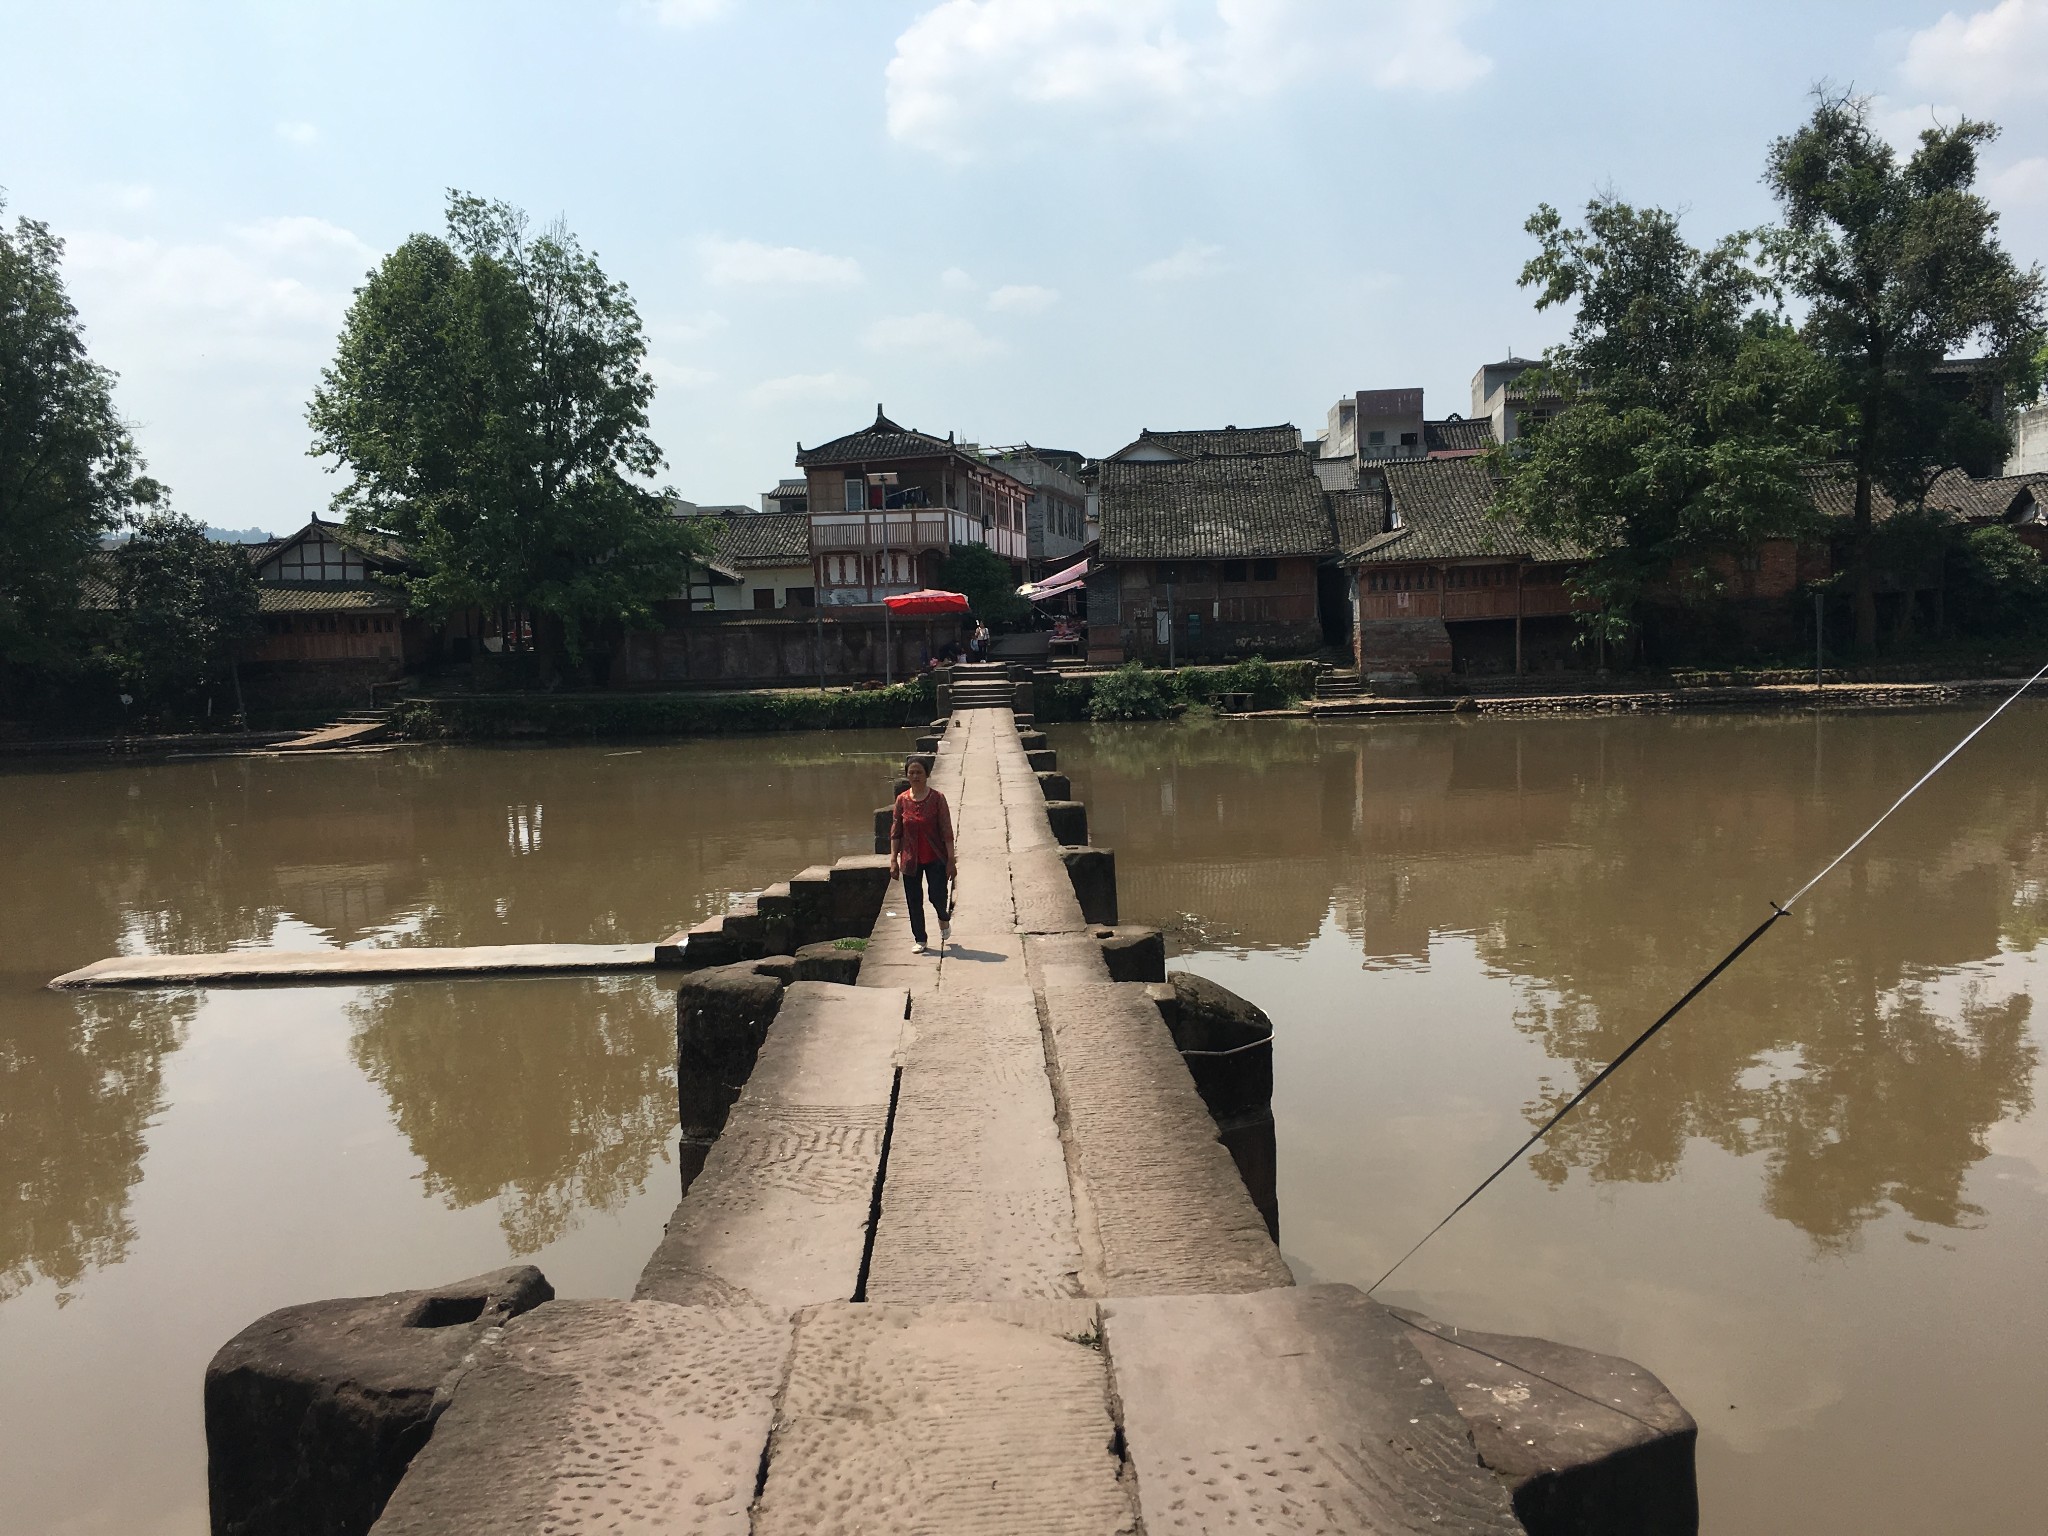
(1291, 1410)
(601, 1416)
(946, 1420)
(779, 1214)
(1171, 1214)
(976, 1204)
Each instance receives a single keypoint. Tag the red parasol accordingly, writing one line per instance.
(927, 601)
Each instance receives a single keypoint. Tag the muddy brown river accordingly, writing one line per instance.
(1817, 1206)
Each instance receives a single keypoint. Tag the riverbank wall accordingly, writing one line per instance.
(966, 1249)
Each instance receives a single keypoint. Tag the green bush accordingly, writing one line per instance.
(1129, 693)
(1998, 585)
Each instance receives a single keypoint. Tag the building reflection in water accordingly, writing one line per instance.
(1603, 865)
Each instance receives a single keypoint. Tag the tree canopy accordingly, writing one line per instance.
(1689, 408)
(68, 467)
(1899, 263)
(488, 402)
(987, 581)
(183, 605)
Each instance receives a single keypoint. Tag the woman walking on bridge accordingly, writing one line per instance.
(921, 851)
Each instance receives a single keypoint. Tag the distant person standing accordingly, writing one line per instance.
(980, 641)
(921, 851)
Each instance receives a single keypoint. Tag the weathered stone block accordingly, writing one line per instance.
(314, 1412)
(928, 744)
(1032, 741)
(1133, 953)
(722, 1016)
(706, 945)
(1227, 1044)
(859, 882)
(1069, 820)
(1055, 786)
(779, 968)
(1589, 1445)
(1044, 760)
(828, 962)
(778, 919)
(1093, 873)
(885, 818)
(810, 906)
(1020, 698)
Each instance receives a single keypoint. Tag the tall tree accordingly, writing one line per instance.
(1689, 409)
(1900, 266)
(68, 467)
(183, 606)
(489, 403)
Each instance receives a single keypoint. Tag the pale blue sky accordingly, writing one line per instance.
(1054, 220)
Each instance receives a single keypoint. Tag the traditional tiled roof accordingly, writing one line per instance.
(1441, 507)
(750, 540)
(1285, 438)
(883, 440)
(1220, 507)
(276, 597)
(1457, 435)
(1358, 516)
(1952, 493)
(790, 490)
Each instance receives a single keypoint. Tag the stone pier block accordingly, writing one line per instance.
(1021, 698)
(828, 962)
(1292, 1410)
(885, 818)
(779, 1215)
(810, 906)
(859, 882)
(776, 910)
(1055, 786)
(928, 743)
(314, 1412)
(1093, 872)
(1227, 1044)
(1589, 1445)
(1133, 953)
(705, 944)
(1032, 741)
(600, 1416)
(1069, 819)
(1043, 760)
(722, 1016)
(971, 1420)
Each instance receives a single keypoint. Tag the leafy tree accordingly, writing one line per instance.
(183, 605)
(1689, 409)
(1900, 266)
(68, 466)
(1997, 584)
(988, 582)
(488, 401)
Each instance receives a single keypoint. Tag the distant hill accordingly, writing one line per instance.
(218, 535)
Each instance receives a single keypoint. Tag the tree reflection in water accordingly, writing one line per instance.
(1604, 865)
(548, 1097)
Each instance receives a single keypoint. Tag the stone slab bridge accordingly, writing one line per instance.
(960, 1251)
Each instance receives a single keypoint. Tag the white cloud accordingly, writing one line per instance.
(300, 133)
(1164, 63)
(683, 14)
(953, 280)
(744, 262)
(2021, 184)
(808, 386)
(1192, 260)
(689, 328)
(1023, 298)
(679, 375)
(932, 336)
(1983, 58)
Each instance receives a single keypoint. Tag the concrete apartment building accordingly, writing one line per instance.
(1056, 517)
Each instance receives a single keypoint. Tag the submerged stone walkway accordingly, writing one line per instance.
(968, 1257)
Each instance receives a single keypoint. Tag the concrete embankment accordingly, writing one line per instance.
(964, 1252)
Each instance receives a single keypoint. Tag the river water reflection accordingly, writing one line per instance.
(178, 1163)
(1815, 1206)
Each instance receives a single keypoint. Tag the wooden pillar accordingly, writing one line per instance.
(1518, 619)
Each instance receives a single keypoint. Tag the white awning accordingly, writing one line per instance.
(1056, 586)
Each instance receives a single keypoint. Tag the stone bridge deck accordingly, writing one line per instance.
(967, 1256)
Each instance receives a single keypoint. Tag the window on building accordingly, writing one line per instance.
(1194, 625)
(764, 597)
(1265, 570)
(1410, 439)
(800, 597)
(1233, 570)
(1376, 439)
(856, 494)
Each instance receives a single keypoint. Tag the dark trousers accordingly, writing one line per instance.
(917, 879)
